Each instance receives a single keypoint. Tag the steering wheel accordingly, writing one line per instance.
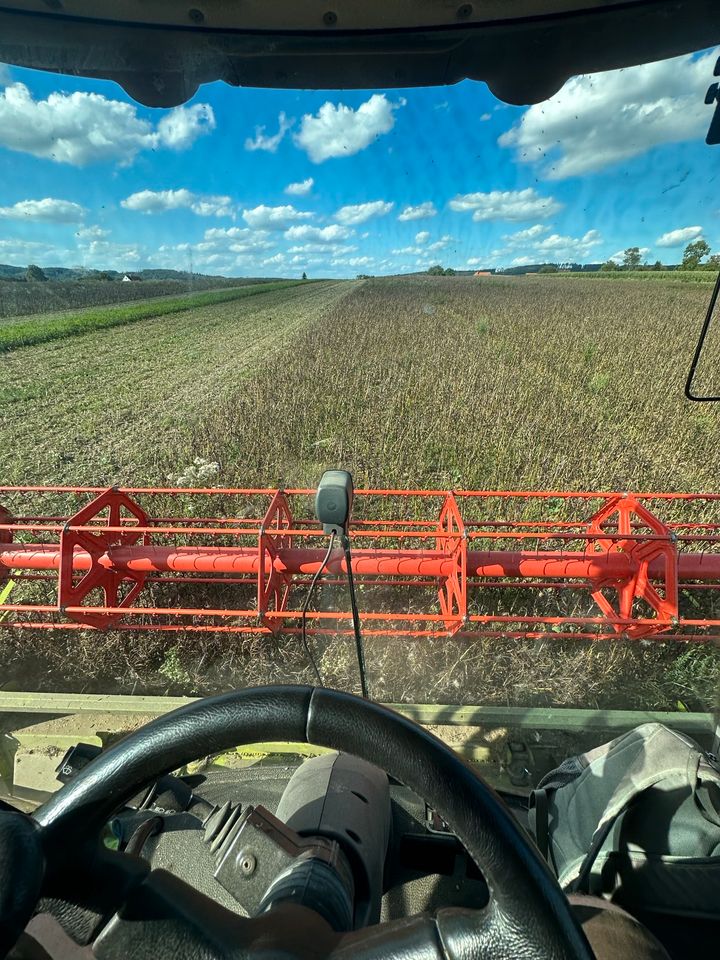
(156, 915)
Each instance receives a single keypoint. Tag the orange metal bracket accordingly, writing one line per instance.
(117, 508)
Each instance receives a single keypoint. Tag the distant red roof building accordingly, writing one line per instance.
(482, 273)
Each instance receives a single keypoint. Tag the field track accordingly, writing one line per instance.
(120, 399)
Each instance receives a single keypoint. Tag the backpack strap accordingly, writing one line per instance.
(715, 748)
(539, 819)
(581, 882)
(706, 790)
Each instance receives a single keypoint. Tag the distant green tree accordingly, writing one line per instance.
(364, 276)
(35, 273)
(609, 265)
(714, 262)
(105, 275)
(436, 271)
(657, 265)
(632, 258)
(304, 276)
(548, 268)
(694, 253)
(448, 272)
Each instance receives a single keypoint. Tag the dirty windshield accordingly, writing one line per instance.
(484, 313)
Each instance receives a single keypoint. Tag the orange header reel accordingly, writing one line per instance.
(503, 564)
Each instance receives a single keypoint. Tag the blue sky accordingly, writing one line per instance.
(271, 183)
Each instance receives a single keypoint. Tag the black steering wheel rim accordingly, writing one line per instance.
(527, 916)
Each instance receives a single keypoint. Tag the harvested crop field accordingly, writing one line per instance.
(30, 331)
(516, 383)
(19, 298)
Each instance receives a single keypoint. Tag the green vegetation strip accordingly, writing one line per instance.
(34, 330)
(677, 276)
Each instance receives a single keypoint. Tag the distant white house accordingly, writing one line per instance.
(126, 278)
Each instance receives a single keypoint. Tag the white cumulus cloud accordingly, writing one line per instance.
(236, 240)
(523, 237)
(424, 248)
(361, 261)
(29, 251)
(352, 261)
(180, 128)
(441, 243)
(307, 261)
(600, 119)
(561, 247)
(301, 189)
(420, 212)
(273, 218)
(221, 248)
(91, 233)
(81, 128)
(676, 238)
(330, 234)
(524, 204)
(340, 131)
(103, 254)
(269, 143)
(537, 245)
(158, 201)
(48, 209)
(320, 247)
(227, 233)
(353, 214)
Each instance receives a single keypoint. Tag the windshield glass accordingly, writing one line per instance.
(486, 310)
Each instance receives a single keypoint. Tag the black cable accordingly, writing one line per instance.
(701, 342)
(308, 598)
(355, 617)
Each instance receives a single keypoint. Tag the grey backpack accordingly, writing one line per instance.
(637, 819)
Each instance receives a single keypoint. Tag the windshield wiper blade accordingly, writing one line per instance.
(700, 344)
